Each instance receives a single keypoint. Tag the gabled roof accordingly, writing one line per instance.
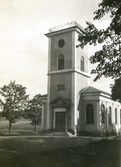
(61, 101)
(91, 89)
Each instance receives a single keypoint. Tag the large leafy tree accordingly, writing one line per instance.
(108, 59)
(34, 111)
(116, 90)
(14, 101)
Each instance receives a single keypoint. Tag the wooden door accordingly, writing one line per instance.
(60, 121)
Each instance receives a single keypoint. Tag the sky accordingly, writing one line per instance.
(23, 45)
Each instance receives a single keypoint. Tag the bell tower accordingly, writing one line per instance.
(67, 76)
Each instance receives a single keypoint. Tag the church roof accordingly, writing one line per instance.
(91, 89)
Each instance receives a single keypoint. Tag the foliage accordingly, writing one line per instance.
(116, 90)
(108, 59)
(34, 111)
(14, 101)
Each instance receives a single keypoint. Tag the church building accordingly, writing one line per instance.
(71, 104)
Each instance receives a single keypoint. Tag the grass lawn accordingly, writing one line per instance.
(58, 152)
(22, 126)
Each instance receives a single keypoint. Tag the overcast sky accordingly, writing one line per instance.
(23, 45)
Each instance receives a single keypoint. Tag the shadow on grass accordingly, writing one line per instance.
(53, 152)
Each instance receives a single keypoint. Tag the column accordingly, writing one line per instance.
(42, 123)
(107, 118)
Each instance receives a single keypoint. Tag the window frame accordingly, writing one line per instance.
(60, 62)
(89, 114)
(110, 115)
(82, 63)
(102, 113)
(116, 119)
(120, 116)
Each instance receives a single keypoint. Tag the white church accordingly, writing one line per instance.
(71, 104)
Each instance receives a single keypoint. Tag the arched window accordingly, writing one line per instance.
(90, 114)
(115, 115)
(110, 115)
(102, 113)
(120, 116)
(82, 63)
(60, 62)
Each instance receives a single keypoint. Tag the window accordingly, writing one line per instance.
(82, 63)
(60, 87)
(109, 116)
(89, 114)
(120, 116)
(60, 62)
(61, 43)
(115, 115)
(102, 113)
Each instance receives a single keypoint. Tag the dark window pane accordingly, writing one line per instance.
(82, 63)
(102, 113)
(110, 121)
(61, 43)
(60, 62)
(90, 114)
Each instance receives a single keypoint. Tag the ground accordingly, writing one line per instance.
(40, 151)
(26, 149)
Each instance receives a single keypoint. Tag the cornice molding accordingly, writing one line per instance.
(68, 71)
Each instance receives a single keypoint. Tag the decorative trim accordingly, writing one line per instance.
(68, 70)
(66, 25)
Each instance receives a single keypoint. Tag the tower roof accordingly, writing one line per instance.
(66, 26)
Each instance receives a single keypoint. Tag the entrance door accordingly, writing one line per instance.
(60, 121)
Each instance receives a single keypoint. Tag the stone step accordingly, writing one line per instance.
(57, 134)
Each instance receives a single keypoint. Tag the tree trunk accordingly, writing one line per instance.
(9, 127)
(35, 128)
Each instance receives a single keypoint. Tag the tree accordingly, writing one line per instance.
(34, 111)
(14, 100)
(1, 107)
(116, 90)
(108, 59)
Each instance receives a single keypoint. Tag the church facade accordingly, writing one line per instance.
(71, 104)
